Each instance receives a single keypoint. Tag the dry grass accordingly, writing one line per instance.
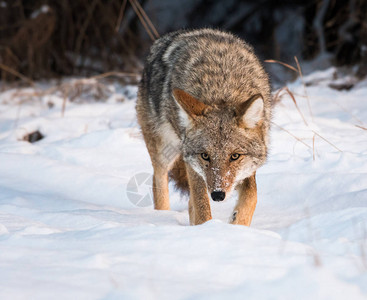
(273, 61)
(84, 89)
(121, 14)
(292, 135)
(144, 19)
(304, 86)
(71, 37)
(327, 141)
(364, 128)
(298, 70)
(91, 86)
(16, 74)
(285, 90)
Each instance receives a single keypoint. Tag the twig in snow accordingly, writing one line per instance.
(348, 112)
(299, 71)
(292, 135)
(273, 61)
(304, 86)
(315, 255)
(364, 128)
(285, 89)
(330, 143)
(114, 73)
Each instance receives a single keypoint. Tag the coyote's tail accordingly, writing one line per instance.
(178, 174)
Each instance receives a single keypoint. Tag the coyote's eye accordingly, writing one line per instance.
(235, 156)
(205, 156)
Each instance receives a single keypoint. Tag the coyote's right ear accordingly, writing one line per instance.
(190, 104)
(251, 112)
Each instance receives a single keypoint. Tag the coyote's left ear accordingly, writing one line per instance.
(251, 112)
(190, 104)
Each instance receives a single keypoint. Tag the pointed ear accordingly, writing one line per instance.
(190, 104)
(251, 112)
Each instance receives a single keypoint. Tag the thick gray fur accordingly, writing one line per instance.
(214, 66)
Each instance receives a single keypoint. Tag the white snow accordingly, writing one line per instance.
(74, 223)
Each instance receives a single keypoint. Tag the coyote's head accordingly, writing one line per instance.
(223, 144)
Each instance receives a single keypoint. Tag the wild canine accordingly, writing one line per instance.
(205, 94)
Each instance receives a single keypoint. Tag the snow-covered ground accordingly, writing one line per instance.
(76, 220)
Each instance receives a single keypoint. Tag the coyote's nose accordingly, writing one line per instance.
(218, 196)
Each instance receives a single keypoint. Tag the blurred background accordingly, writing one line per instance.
(42, 39)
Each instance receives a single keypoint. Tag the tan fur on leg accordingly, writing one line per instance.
(199, 206)
(191, 213)
(246, 203)
(160, 189)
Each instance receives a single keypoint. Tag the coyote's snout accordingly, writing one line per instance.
(218, 195)
(205, 94)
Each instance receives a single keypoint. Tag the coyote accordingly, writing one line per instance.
(205, 94)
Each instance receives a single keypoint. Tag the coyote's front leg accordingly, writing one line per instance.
(199, 206)
(160, 188)
(246, 203)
